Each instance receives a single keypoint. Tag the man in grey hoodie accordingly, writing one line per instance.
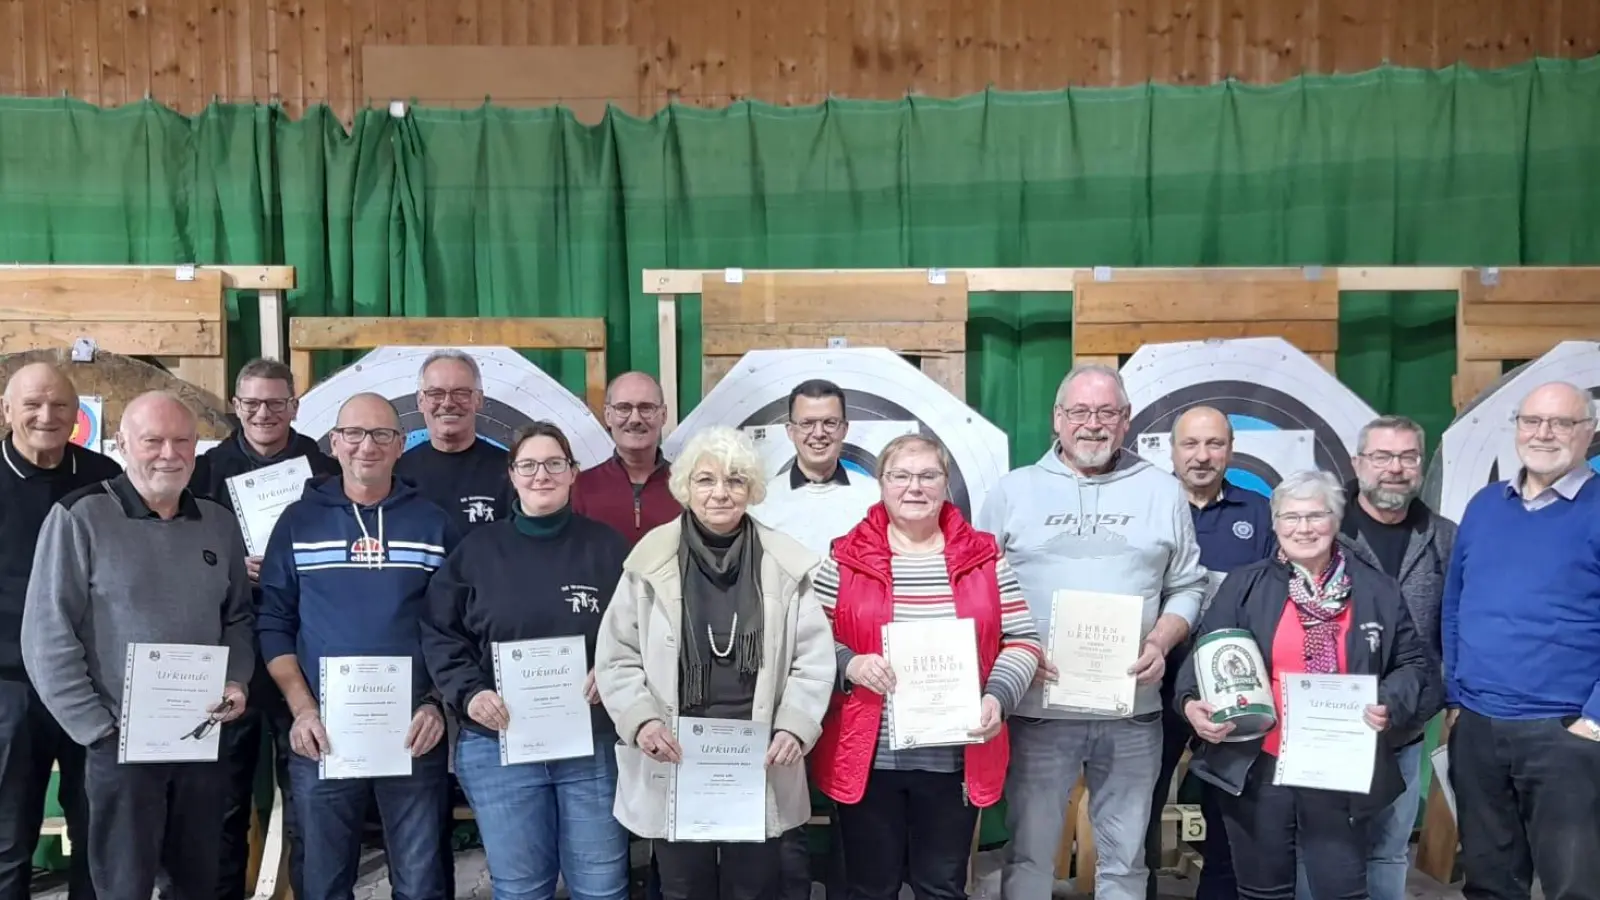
(140, 559)
(1093, 516)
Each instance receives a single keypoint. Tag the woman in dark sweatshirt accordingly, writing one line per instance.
(544, 573)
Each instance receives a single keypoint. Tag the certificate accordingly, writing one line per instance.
(1326, 742)
(936, 700)
(541, 684)
(719, 790)
(260, 497)
(1094, 640)
(167, 693)
(366, 711)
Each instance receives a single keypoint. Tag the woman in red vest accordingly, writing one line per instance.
(915, 558)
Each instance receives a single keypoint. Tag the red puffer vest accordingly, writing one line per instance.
(842, 758)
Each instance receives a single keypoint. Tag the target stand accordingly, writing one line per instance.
(1509, 316)
(364, 333)
(1117, 311)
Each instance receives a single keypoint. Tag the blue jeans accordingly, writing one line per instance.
(538, 820)
(1389, 858)
(333, 813)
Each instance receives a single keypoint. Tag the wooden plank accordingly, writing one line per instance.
(667, 361)
(300, 366)
(713, 369)
(1438, 841)
(1089, 359)
(949, 370)
(112, 295)
(202, 339)
(594, 381)
(1542, 284)
(362, 332)
(1498, 315)
(1061, 280)
(277, 278)
(1516, 343)
(1472, 379)
(1069, 831)
(910, 337)
(1206, 296)
(1106, 340)
(831, 298)
(208, 373)
(1328, 361)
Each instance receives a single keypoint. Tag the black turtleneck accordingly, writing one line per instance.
(521, 578)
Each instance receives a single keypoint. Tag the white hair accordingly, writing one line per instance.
(1590, 409)
(1082, 369)
(731, 450)
(1311, 485)
(460, 356)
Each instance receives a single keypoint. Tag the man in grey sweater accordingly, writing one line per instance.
(138, 559)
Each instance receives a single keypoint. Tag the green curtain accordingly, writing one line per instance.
(494, 211)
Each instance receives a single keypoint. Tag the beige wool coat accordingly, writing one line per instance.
(636, 671)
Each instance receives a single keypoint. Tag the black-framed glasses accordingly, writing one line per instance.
(251, 405)
(829, 425)
(1382, 458)
(353, 435)
(530, 467)
(1106, 415)
(461, 396)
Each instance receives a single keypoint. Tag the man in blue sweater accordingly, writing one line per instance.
(346, 574)
(1521, 641)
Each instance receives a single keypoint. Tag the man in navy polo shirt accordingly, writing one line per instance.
(1234, 528)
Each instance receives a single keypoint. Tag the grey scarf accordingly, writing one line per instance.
(714, 567)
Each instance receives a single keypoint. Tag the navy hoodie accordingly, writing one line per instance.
(343, 580)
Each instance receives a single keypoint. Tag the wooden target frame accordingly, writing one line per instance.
(1513, 315)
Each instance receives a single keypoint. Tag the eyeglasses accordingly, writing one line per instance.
(645, 410)
(460, 396)
(1561, 426)
(735, 484)
(1382, 458)
(1314, 519)
(900, 477)
(828, 425)
(252, 404)
(352, 435)
(530, 467)
(1106, 415)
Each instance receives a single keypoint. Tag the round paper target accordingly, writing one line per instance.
(1479, 448)
(885, 397)
(1288, 413)
(516, 392)
(86, 428)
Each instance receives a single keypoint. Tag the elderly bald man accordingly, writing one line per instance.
(1520, 622)
(139, 559)
(41, 465)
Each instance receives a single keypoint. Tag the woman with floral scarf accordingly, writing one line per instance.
(1313, 609)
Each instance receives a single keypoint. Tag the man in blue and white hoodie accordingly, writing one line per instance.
(346, 574)
(1092, 516)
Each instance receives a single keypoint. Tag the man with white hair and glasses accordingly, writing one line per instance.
(1092, 515)
(1521, 632)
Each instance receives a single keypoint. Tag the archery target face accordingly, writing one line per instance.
(1287, 412)
(885, 396)
(516, 392)
(1479, 448)
(87, 429)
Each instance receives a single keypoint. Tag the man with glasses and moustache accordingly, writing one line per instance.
(629, 491)
(1389, 527)
(1521, 630)
(465, 476)
(346, 574)
(1092, 516)
(265, 405)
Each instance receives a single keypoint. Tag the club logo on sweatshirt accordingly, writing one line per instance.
(478, 509)
(209, 557)
(582, 597)
(366, 550)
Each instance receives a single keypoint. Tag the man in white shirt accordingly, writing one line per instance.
(817, 499)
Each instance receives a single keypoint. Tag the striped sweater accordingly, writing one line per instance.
(922, 591)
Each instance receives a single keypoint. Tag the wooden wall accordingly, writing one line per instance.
(708, 52)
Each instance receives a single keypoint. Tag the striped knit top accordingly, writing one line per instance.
(922, 591)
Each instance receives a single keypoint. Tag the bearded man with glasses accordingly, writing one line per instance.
(265, 405)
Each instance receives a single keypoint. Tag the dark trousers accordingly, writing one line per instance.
(719, 871)
(1216, 878)
(150, 821)
(30, 743)
(1271, 827)
(333, 814)
(794, 865)
(911, 826)
(266, 717)
(1527, 803)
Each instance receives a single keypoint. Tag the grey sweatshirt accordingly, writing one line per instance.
(109, 572)
(1128, 531)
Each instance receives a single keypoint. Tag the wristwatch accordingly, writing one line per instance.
(1592, 727)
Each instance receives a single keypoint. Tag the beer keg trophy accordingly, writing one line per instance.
(1233, 680)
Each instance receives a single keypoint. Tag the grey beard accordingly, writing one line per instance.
(1389, 500)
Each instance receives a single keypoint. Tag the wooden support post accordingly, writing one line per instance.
(1439, 840)
(667, 364)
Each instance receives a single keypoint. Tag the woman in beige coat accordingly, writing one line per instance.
(714, 618)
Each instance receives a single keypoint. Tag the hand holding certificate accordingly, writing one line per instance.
(719, 789)
(1094, 642)
(541, 683)
(366, 712)
(1328, 740)
(936, 699)
(170, 703)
